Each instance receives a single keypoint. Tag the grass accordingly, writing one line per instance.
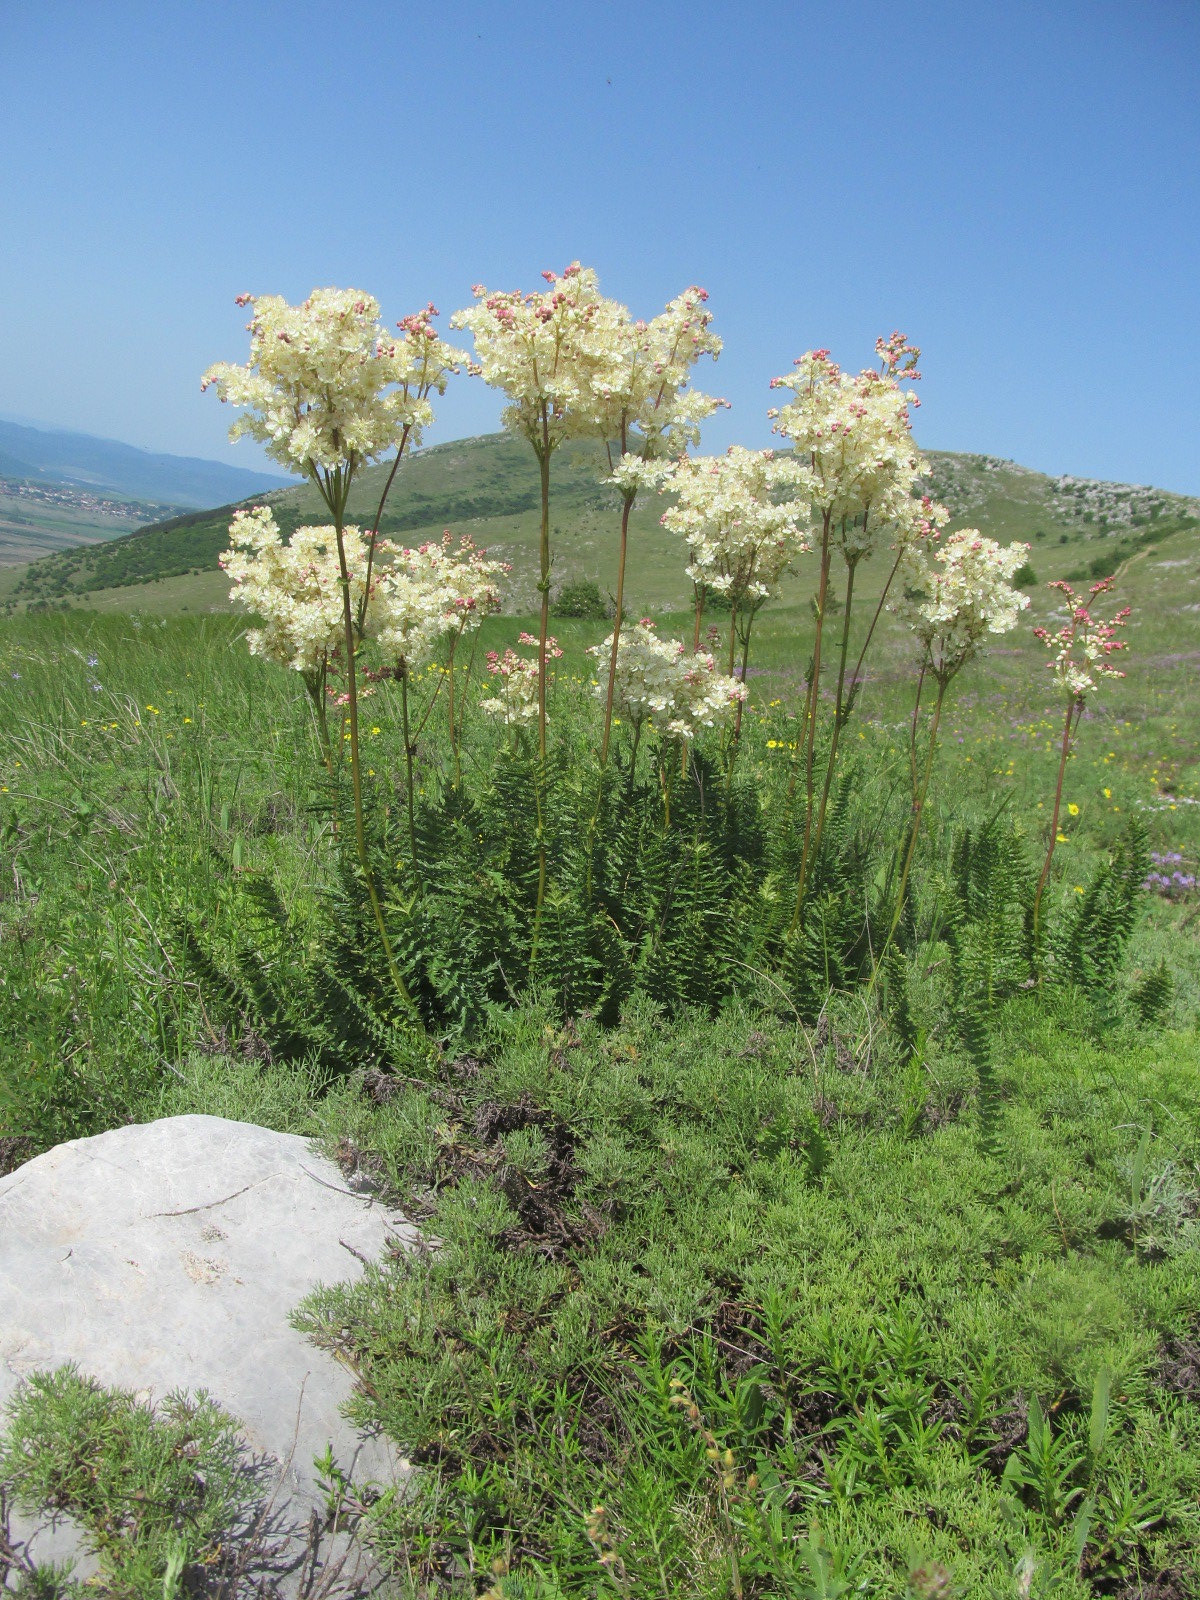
(733, 1304)
(760, 1296)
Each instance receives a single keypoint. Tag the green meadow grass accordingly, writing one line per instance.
(685, 1234)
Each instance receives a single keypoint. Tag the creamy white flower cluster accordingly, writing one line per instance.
(326, 384)
(441, 588)
(638, 374)
(295, 588)
(1084, 645)
(741, 535)
(516, 678)
(854, 433)
(535, 348)
(957, 591)
(418, 598)
(656, 679)
(597, 372)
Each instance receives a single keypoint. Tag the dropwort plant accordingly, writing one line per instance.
(625, 872)
(1082, 649)
(326, 390)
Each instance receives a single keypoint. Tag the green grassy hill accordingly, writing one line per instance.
(487, 487)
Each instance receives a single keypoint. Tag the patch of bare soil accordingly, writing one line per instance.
(552, 1218)
(1172, 1584)
(1179, 1366)
(15, 1151)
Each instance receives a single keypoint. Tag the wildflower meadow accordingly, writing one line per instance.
(779, 1013)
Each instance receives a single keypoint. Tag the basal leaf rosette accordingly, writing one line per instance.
(957, 591)
(294, 588)
(660, 684)
(327, 385)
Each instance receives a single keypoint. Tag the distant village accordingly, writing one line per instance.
(85, 502)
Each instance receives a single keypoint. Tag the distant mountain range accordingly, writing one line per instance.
(79, 461)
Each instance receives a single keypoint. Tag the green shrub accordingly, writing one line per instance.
(581, 598)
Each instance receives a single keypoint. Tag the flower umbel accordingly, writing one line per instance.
(957, 592)
(741, 515)
(854, 434)
(1084, 646)
(295, 587)
(443, 588)
(537, 348)
(327, 385)
(515, 702)
(658, 681)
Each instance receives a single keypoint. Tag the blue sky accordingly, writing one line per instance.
(1017, 187)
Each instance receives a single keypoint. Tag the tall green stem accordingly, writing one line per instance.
(737, 716)
(543, 579)
(335, 488)
(1074, 708)
(626, 508)
(840, 712)
(594, 823)
(918, 809)
(855, 675)
(912, 730)
(633, 753)
(543, 455)
(454, 755)
(316, 693)
(374, 536)
(666, 772)
(539, 773)
(811, 702)
(408, 773)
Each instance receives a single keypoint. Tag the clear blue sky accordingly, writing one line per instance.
(1015, 186)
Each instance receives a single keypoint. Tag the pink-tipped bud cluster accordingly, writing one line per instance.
(1084, 645)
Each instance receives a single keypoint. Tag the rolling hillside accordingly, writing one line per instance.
(487, 487)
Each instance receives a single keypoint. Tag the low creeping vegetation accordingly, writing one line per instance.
(744, 1309)
(154, 1492)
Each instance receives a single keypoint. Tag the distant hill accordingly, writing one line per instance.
(487, 487)
(80, 461)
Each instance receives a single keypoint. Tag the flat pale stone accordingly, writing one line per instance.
(169, 1255)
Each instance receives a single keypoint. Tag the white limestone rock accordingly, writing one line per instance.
(169, 1255)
